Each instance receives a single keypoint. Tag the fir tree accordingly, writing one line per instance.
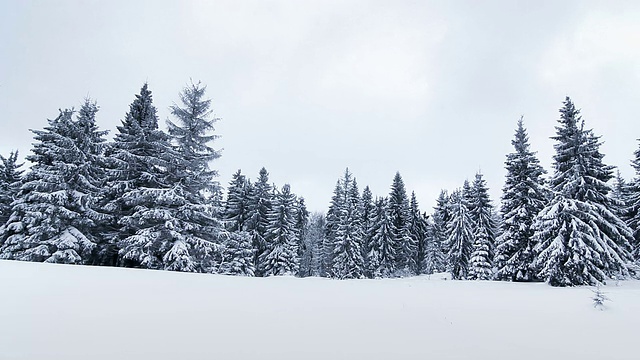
(192, 133)
(332, 223)
(53, 219)
(238, 255)
(580, 238)
(382, 252)
(259, 205)
(314, 240)
(304, 248)
(10, 181)
(484, 231)
(367, 212)
(524, 196)
(236, 210)
(406, 247)
(348, 262)
(459, 239)
(281, 253)
(434, 259)
(164, 222)
(632, 211)
(418, 232)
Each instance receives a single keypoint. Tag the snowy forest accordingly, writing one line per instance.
(148, 198)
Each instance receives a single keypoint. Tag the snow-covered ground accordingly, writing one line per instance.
(75, 312)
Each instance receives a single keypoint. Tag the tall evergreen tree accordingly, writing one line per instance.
(406, 247)
(314, 240)
(382, 251)
(304, 247)
(632, 211)
(434, 259)
(238, 254)
(580, 239)
(281, 253)
(163, 221)
(236, 210)
(348, 262)
(259, 205)
(460, 238)
(484, 230)
(418, 232)
(367, 212)
(524, 196)
(53, 219)
(10, 181)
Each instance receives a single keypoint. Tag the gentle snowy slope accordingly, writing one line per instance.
(74, 312)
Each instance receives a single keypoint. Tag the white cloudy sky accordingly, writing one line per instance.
(432, 89)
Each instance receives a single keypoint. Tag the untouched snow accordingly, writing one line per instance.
(50, 311)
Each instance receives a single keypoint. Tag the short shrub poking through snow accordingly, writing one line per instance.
(599, 298)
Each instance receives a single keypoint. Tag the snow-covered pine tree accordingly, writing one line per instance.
(484, 231)
(418, 232)
(621, 195)
(367, 212)
(10, 181)
(632, 213)
(348, 262)
(459, 237)
(580, 239)
(523, 196)
(236, 207)
(195, 225)
(332, 223)
(237, 258)
(382, 251)
(157, 197)
(259, 204)
(53, 219)
(406, 246)
(281, 254)
(314, 240)
(304, 249)
(443, 210)
(434, 259)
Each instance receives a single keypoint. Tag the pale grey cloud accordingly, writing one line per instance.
(306, 88)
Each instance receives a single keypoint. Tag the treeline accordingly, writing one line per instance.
(148, 199)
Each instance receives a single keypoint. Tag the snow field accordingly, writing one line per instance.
(72, 312)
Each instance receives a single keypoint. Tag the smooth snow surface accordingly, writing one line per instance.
(67, 312)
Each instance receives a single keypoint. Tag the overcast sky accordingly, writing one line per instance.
(432, 89)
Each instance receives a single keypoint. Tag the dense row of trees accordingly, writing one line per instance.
(149, 199)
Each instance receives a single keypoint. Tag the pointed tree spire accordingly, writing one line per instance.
(524, 196)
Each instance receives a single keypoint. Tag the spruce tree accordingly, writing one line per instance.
(305, 249)
(580, 239)
(332, 223)
(158, 190)
(367, 211)
(524, 196)
(314, 240)
(484, 231)
(348, 262)
(237, 254)
(259, 205)
(460, 238)
(406, 247)
(281, 254)
(382, 251)
(236, 210)
(418, 232)
(10, 181)
(54, 218)
(632, 211)
(434, 259)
